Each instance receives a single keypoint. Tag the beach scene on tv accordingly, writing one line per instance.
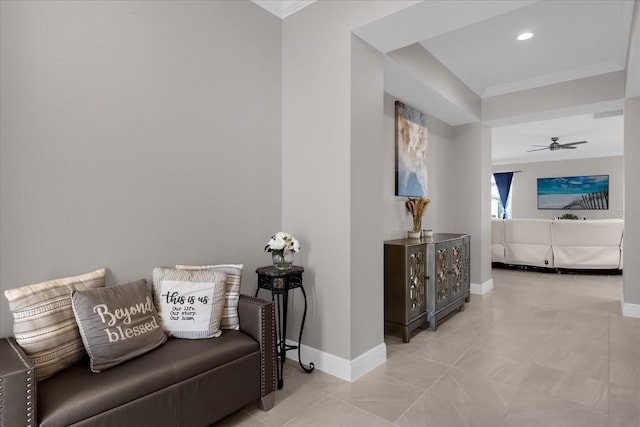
(574, 192)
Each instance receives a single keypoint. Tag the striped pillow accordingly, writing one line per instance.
(189, 302)
(230, 319)
(44, 324)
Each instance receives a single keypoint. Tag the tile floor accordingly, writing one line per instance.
(541, 349)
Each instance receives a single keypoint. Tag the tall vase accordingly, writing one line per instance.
(282, 261)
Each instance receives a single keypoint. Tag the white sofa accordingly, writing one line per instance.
(497, 240)
(528, 242)
(587, 244)
(570, 244)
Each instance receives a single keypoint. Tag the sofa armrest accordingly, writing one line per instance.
(17, 386)
(258, 320)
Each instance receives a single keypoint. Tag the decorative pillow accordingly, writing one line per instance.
(44, 325)
(190, 302)
(117, 323)
(230, 319)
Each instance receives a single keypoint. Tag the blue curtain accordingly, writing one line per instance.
(503, 182)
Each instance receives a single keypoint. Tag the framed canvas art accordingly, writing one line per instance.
(411, 151)
(574, 192)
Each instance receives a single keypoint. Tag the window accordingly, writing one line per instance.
(496, 205)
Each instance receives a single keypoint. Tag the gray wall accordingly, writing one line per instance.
(317, 170)
(524, 202)
(469, 194)
(136, 135)
(631, 244)
(367, 213)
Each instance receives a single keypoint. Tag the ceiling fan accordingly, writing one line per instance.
(555, 145)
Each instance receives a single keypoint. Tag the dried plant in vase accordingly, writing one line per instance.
(417, 207)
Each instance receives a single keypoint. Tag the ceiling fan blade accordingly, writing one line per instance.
(537, 145)
(538, 149)
(566, 147)
(573, 143)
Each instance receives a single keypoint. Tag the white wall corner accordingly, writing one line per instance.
(629, 309)
(348, 370)
(482, 288)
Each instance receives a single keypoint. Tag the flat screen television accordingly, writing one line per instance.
(590, 192)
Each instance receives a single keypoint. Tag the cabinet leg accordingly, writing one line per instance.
(431, 318)
(406, 334)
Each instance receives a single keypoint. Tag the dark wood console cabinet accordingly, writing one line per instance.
(405, 284)
(448, 282)
(425, 280)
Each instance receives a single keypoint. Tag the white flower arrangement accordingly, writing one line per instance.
(282, 242)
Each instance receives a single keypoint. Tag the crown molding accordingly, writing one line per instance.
(283, 8)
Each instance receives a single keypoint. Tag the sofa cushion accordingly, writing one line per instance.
(230, 318)
(78, 394)
(594, 244)
(117, 323)
(497, 240)
(190, 302)
(528, 242)
(44, 324)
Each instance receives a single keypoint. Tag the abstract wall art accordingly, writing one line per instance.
(411, 151)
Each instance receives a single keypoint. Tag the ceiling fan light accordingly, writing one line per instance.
(525, 36)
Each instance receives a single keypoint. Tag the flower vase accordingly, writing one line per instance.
(282, 260)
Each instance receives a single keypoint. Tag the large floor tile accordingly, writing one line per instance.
(381, 395)
(570, 361)
(592, 306)
(581, 324)
(240, 419)
(295, 378)
(412, 369)
(476, 390)
(418, 340)
(334, 412)
(624, 406)
(594, 347)
(565, 385)
(532, 409)
(495, 367)
(625, 346)
(518, 348)
(290, 403)
(625, 374)
(532, 330)
(629, 325)
(433, 410)
(468, 320)
(461, 336)
(440, 351)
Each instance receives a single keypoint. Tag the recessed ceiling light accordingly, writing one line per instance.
(525, 36)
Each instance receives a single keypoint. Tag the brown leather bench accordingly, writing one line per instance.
(181, 383)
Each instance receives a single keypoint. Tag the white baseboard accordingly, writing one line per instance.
(483, 288)
(629, 309)
(348, 370)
